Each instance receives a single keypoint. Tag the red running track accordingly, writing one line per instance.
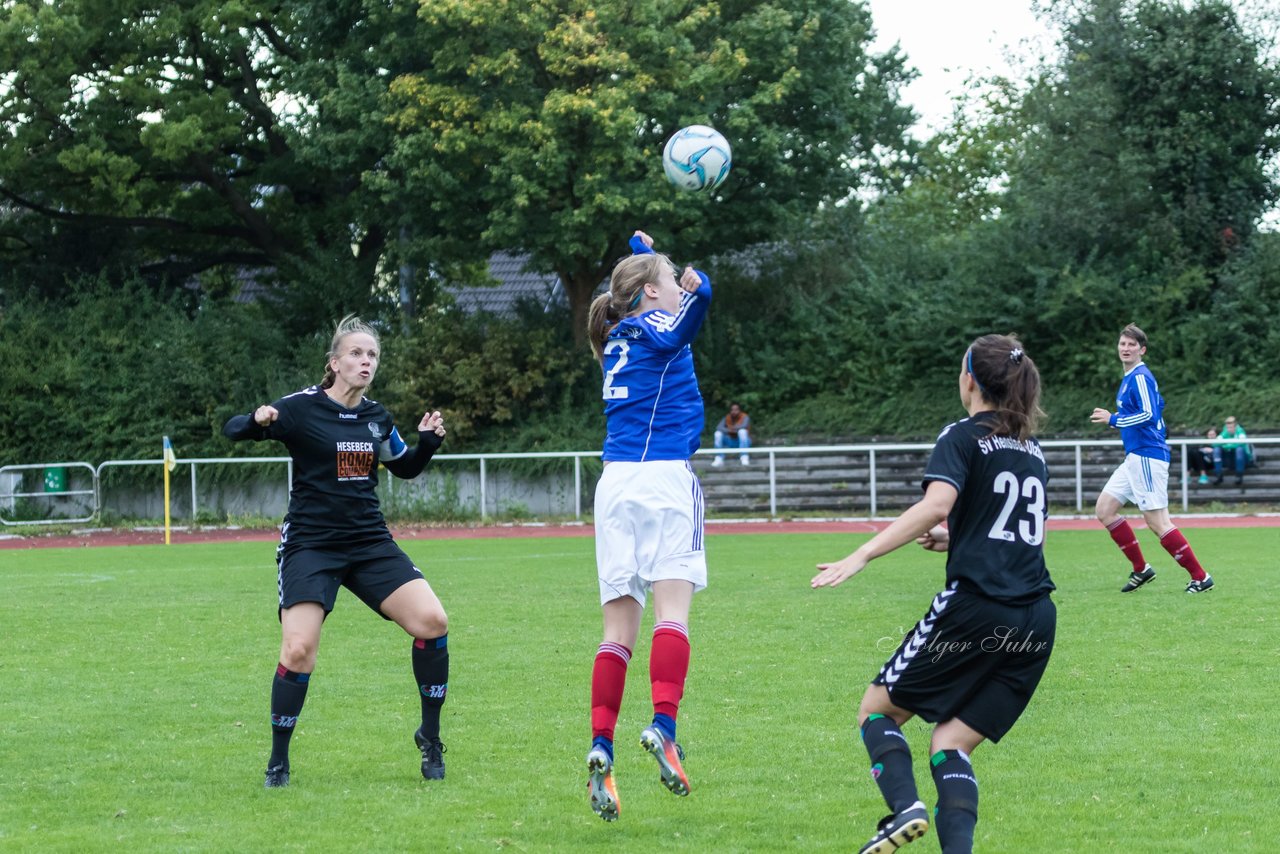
(151, 536)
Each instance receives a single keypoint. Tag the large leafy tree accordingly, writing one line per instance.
(1143, 169)
(1149, 142)
(1059, 208)
(184, 137)
(538, 125)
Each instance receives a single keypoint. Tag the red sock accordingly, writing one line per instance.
(1176, 544)
(1127, 540)
(668, 666)
(608, 678)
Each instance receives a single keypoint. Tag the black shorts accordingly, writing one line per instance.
(972, 658)
(372, 571)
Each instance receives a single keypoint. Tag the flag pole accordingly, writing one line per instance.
(168, 466)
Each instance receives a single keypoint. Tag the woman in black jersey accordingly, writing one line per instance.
(334, 534)
(973, 661)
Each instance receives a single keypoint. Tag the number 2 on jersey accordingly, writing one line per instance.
(611, 391)
(1030, 530)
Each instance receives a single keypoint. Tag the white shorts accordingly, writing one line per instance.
(1141, 481)
(649, 527)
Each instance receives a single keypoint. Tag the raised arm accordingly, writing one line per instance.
(406, 464)
(252, 426)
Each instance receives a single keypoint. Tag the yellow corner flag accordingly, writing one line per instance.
(170, 463)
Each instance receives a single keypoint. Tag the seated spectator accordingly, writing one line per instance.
(1201, 460)
(1237, 451)
(734, 432)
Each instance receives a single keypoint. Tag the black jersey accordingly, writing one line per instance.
(335, 453)
(997, 525)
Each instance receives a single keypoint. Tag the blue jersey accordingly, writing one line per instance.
(1140, 415)
(653, 407)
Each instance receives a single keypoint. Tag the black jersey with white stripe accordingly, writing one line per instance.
(997, 525)
(335, 453)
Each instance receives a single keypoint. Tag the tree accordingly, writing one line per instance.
(1149, 142)
(538, 125)
(178, 138)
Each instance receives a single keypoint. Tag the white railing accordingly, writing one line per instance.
(1182, 446)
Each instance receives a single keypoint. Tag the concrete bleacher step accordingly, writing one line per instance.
(840, 481)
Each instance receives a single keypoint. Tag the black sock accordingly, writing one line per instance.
(957, 812)
(288, 692)
(890, 762)
(431, 671)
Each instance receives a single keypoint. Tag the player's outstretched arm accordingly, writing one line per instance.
(920, 518)
(251, 426)
(431, 432)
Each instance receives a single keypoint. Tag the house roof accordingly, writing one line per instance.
(515, 283)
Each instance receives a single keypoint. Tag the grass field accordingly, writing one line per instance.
(134, 684)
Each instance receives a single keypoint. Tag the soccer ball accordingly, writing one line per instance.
(697, 158)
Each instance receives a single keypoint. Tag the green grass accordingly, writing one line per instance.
(134, 685)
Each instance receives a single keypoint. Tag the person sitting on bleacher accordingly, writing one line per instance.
(1239, 452)
(1206, 458)
(734, 431)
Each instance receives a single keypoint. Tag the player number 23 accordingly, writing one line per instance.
(611, 391)
(1031, 528)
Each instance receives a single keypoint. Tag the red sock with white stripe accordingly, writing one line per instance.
(668, 667)
(1124, 537)
(608, 678)
(1176, 544)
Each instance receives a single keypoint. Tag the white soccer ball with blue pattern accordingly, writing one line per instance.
(697, 158)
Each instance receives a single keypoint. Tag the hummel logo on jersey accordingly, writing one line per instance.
(348, 416)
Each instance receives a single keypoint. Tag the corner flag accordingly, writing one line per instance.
(170, 463)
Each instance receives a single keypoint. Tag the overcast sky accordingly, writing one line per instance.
(947, 40)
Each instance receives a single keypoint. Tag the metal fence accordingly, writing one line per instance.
(12, 492)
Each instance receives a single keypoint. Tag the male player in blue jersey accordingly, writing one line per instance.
(1143, 477)
(648, 505)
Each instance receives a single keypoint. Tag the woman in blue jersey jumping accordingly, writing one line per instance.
(648, 504)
